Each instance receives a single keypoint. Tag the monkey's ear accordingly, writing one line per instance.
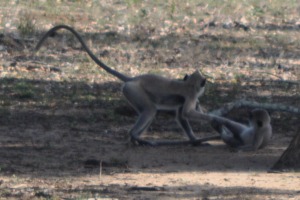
(203, 83)
(259, 123)
(186, 77)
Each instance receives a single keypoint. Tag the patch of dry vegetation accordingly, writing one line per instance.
(58, 108)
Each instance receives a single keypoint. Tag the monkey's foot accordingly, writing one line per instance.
(196, 142)
(142, 142)
(200, 143)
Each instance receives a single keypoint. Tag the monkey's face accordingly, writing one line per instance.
(259, 118)
(197, 81)
(201, 87)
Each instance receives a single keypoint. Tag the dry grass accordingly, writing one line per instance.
(59, 109)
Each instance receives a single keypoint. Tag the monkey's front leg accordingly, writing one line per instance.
(185, 125)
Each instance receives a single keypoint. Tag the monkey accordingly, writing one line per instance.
(246, 138)
(239, 136)
(149, 93)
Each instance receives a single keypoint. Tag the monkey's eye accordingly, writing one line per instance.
(203, 83)
(259, 123)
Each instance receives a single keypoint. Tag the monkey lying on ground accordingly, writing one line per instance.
(149, 93)
(238, 136)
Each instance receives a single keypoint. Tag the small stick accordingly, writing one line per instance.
(100, 170)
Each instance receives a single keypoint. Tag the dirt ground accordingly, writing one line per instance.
(52, 156)
(64, 123)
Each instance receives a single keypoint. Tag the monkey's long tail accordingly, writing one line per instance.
(119, 75)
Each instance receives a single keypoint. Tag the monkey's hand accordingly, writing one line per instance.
(199, 142)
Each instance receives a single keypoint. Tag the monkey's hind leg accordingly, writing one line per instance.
(230, 131)
(140, 101)
(144, 121)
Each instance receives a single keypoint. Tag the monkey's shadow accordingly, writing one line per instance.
(54, 128)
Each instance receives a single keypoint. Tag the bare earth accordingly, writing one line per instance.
(55, 161)
(64, 123)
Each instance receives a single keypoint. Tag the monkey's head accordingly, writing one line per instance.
(259, 118)
(197, 80)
